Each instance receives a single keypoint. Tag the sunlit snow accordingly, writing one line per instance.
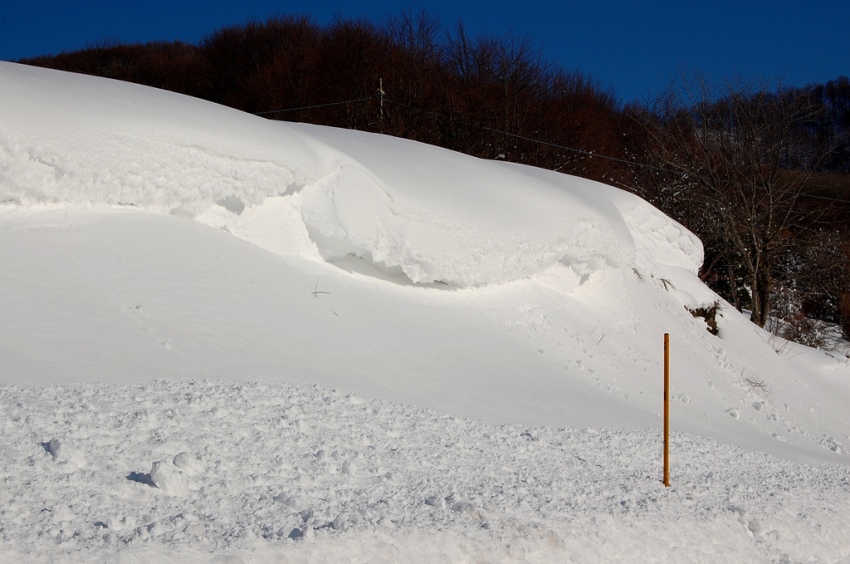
(224, 337)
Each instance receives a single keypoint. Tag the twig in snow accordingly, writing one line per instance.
(316, 291)
(602, 337)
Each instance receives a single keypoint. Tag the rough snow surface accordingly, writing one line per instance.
(296, 473)
(228, 339)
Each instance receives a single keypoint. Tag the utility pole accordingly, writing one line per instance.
(381, 100)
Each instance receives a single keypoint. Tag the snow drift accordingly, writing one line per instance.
(155, 244)
(401, 205)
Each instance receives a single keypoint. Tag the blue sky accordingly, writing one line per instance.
(633, 47)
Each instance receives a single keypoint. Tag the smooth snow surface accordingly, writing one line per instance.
(230, 339)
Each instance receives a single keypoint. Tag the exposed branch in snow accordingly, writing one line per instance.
(316, 291)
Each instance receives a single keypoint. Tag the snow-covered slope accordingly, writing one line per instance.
(155, 244)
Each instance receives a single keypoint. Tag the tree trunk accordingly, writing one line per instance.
(733, 286)
(761, 288)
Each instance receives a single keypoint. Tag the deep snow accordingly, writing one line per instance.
(228, 337)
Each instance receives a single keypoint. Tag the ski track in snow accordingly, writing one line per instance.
(104, 472)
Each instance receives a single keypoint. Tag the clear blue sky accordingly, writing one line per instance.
(634, 47)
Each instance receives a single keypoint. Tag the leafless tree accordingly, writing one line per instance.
(743, 158)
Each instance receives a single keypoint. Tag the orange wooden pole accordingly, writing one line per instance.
(666, 410)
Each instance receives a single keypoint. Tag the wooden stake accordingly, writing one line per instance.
(666, 410)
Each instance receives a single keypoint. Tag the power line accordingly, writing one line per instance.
(580, 151)
(585, 152)
(597, 155)
(310, 107)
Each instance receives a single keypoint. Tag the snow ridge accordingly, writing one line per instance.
(402, 207)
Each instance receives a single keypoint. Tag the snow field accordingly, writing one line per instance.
(103, 472)
(230, 340)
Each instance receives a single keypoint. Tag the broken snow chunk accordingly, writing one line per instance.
(167, 478)
(187, 463)
(833, 445)
(64, 453)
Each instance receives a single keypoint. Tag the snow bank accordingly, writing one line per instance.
(205, 423)
(575, 280)
(404, 208)
(75, 139)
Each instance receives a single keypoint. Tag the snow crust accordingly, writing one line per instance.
(229, 338)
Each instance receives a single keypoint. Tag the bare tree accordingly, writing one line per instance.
(411, 74)
(744, 159)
